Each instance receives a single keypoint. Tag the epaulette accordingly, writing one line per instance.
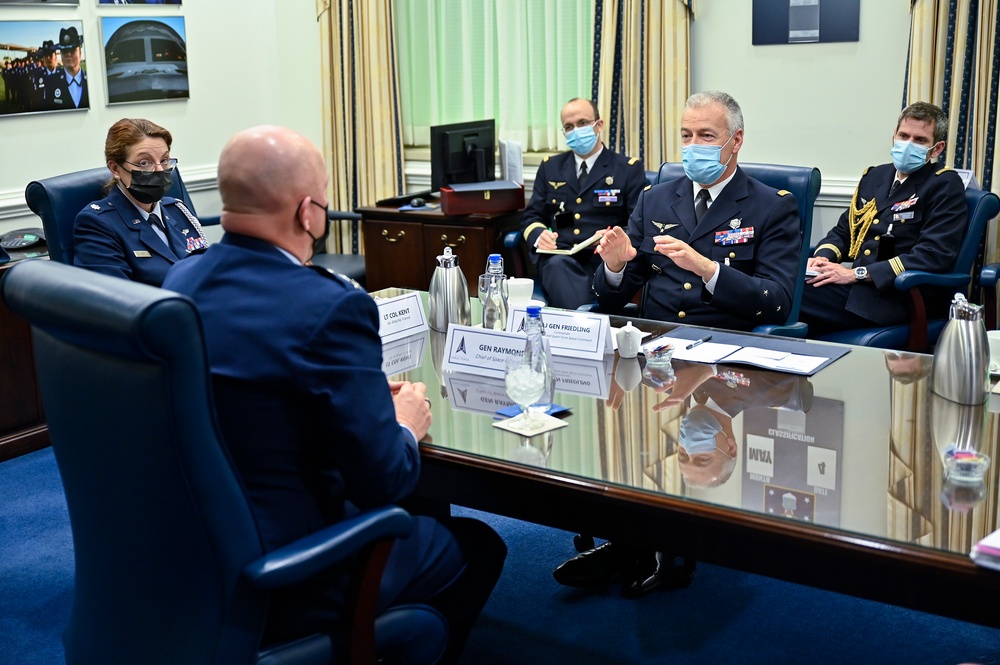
(633, 161)
(783, 192)
(545, 158)
(647, 187)
(947, 168)
(326, 272)
(867, 169)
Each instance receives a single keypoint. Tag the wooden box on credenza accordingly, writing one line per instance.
(401, 247)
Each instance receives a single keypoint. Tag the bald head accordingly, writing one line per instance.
(267, 169)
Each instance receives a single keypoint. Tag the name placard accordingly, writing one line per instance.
(404, 354)
(570, 333)
(401, 316)
(478, 394)
(591, 378)
(479, 350)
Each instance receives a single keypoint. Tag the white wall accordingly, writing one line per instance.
(251, 62)
(833, 106)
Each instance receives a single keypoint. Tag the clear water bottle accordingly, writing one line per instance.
(494, 266)
(537, 347)
(495, 300)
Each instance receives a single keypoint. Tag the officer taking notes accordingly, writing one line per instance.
(578, 194)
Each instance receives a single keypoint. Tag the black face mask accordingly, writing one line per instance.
(149, 187)
(319, 243)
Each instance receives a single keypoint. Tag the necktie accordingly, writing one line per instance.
(155, 220)
(895, 184)
(583, 171)
(74, 80)
(701, 204)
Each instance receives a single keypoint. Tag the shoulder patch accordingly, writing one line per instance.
(947, 168)
(783, 192)
(647, 187)
(633, 161)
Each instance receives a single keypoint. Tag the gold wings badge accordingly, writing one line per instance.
(663, 227)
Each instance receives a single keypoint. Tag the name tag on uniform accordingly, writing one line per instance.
(141, 254)
(902, 215)
(607, 195)
(734, 236)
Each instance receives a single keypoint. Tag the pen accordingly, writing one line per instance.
(659, 348)
(697, 342)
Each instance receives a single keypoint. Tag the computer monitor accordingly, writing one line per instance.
(462, 152)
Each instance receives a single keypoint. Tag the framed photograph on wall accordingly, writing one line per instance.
(138, 2)
(145, 58)
(43, 67)
(40, 2)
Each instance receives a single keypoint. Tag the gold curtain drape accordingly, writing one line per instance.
(940, 72)
(362, 139)
(642, 75)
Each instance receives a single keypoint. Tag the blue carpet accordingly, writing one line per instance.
(725, 616)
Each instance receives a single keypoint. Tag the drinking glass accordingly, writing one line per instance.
(525, 384)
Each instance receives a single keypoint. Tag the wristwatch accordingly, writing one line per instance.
(861, 273)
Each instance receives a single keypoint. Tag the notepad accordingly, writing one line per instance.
(987, 551)
(574, 249)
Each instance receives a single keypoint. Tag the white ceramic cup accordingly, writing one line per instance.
(629, 339)
(519, 290)
(994, 338)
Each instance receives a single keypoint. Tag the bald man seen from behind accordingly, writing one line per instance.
(315, 429)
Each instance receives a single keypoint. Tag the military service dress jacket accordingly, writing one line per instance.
(753, 232)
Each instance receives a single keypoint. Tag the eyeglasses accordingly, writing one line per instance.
(146, 166)
(568, 127)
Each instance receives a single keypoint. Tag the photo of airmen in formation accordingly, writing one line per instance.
(42, 66)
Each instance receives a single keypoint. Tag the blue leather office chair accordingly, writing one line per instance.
(804, 184)
(169, 563)
(58, 199)
(921, 333)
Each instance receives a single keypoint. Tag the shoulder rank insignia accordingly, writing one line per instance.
(867, 169)
(94, 206)
(947, 168)
(556, 185)
(646, 187)
(783, 192)
(631, 162)
(545, 159)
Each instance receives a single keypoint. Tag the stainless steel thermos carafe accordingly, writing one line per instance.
(448, 297)
(962, 355)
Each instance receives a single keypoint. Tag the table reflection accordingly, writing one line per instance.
(858, 446)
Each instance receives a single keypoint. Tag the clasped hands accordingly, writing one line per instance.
(829, 272)
(616, 249)
(413, 409)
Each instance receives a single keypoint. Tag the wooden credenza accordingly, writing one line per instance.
(22, 421)
(401, 247)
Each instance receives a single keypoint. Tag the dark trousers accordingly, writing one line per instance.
(823, 309)
(568, 281)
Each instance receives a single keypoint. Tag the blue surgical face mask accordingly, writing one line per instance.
(908, 156)
(698, 430)
(701, 162)
(582, 140)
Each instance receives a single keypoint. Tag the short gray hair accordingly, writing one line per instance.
(734, 115)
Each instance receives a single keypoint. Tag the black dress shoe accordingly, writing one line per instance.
(593, 567)
(655, 570)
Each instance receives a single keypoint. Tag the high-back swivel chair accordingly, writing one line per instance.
(169, 562)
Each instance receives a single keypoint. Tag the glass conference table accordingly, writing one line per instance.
(837, 480)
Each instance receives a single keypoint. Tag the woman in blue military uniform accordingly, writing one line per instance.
(135, 232)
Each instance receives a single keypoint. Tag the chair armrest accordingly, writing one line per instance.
(798, 330)
(304, 558)
(512, 239)
(911, 278)
(212, 220)
(988, 277)
(335, 215)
